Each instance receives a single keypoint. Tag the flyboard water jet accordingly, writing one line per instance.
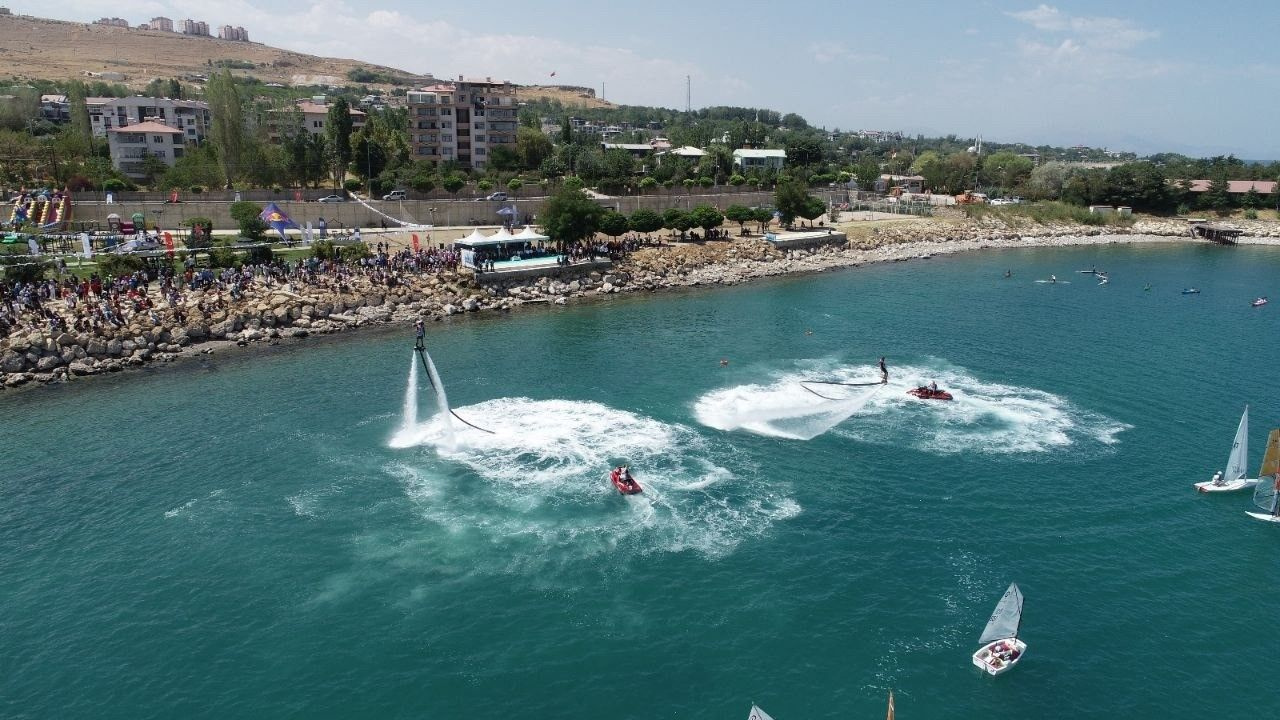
(420, 348)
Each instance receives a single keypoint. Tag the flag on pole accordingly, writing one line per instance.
(275, 217)
(168, 243)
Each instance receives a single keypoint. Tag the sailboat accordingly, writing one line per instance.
(1267, 493)
(1001, 648)
(1233, 478)
(758, 714)
(890, 715)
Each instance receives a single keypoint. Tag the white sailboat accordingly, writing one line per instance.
(1267, 493)
(1233, 478)
(758, 714)
(1001, 648)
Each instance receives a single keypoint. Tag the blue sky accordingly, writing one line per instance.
(1145, 76)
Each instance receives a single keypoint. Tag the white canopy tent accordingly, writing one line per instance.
(530, 235)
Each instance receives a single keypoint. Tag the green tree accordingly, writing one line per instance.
(570, 217)
(740, 214)
(1218, 196)
(614, 224)
(736, 180)
(227, 133)
(866, 173)
(80, 123)
(246, 214)
(573, 182)
(791, 198)
(813, 208)
(369, 157)
(484, 186)
(705, 217)
(648, 183)
(1005, 170)
(514, 185)
(1251, 200)
(532, 147)
(764, 216)
(566, 131)
(453, 183)
(645, 221)
(337, 129)
(677, 220)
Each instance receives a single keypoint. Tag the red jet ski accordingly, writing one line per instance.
(925, 393)
(624, 487)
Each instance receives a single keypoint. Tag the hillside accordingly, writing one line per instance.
(41, 49)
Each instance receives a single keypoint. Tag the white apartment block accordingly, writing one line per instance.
(190, 117)
(161, 23)
(462, 120)
(131, 145)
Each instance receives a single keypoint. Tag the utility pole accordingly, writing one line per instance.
(688, 94)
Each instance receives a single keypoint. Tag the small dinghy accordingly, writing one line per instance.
(1001, 648)
(1191, 291)
(1233, 478)
(1259, 302)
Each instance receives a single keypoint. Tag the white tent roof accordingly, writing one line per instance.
(501, 236)
(475, 236)
(528, 233)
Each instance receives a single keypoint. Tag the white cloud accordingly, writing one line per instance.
(1085, 49)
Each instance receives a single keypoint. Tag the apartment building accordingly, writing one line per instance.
(131, 145)
(462, 120)
(163, 24)
(313, 114)
(195, 27)
(191, 117)
(228, 32)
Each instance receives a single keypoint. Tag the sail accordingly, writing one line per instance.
(1267, 493)
(1271, 460)
(1239, 450)
(758, 714)
(1006, 618)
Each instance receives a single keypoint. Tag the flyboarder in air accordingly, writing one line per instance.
(419, 330)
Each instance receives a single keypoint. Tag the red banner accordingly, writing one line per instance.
(415, 242)
(168, 244)
(297, 196)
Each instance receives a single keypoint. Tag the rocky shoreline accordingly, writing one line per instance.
(272, 313)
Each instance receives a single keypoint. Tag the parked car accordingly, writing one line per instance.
(500, 196)
(396, 195)
(332, 198)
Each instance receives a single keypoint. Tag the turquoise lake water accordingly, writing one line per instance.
(261, 537)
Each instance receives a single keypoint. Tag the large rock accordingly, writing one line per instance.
(114, 347)
(48, 363)
(12, 362)
(127, 347)
(16, 379)
(66, 339)
(196, 331)
(84, 367)
(450, 309)
(470, 305)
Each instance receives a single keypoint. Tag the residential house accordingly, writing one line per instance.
(908, 183)
(314, 115)
(132, 144)
(189, 116)
(748, 159)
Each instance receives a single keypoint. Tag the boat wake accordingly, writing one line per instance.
(544, 486)
(984, 417)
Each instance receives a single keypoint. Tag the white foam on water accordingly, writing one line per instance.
(983, 417)
(538, 492)
(784, 409)
(181, 509)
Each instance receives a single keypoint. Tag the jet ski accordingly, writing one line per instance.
(927, 393)
(626, 485)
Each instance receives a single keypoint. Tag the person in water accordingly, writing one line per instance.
(1008, 273)
(1053, 278)
(884, 372)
